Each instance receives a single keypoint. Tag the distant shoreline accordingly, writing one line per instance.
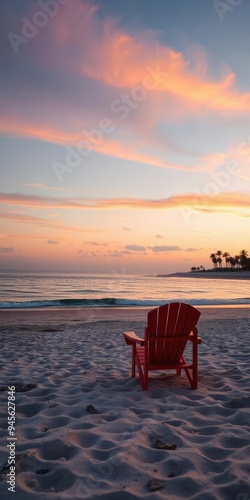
(239, 275)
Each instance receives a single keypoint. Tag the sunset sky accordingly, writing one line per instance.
(125, 134)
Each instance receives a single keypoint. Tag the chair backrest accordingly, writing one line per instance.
(167, 332)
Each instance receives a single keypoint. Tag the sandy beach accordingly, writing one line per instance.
(85, 430)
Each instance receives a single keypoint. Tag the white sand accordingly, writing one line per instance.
(63, 451)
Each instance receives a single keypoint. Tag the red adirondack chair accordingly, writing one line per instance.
(168, 329)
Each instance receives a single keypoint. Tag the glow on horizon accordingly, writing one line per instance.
(98, 174)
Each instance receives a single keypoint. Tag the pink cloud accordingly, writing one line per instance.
(110, 54)
(20, 218)
(237, 203)
(80, 49)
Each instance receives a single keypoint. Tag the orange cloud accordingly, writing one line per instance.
(98, 48)
(105, 146)
(38, 221)
(233, 202)
(38, 185)
(116, 58)
(18, 127)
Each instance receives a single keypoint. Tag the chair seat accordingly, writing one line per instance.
(140, 351)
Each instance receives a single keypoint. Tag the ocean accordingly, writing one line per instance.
(57, 289)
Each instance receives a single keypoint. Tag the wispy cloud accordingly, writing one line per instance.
(37, 185)
(119, 59)
(165, 248)
(108, 146)
(51, 242)
(96, 52)
(39, 221)
(135, 248)
(228, 202)
(7, 249)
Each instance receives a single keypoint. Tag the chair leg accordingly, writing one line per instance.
(133, 361)
(144, 378)
(195, 365)
(195, 377)
(189, 376)
(143, 375)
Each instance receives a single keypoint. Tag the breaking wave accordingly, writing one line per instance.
(116, 302)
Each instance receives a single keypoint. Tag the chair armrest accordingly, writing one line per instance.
(194, 338)
(132, 338)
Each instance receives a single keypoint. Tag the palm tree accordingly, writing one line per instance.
(243, 257)
(242, 260)
(219, 253)
(219, 260)
(237, 260)
(232, 262)
(226, 255)
(247, 264)
(213, 258)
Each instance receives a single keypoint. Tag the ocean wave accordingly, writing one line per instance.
(115, 302)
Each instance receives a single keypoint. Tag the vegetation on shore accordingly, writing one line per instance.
(239, 262)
